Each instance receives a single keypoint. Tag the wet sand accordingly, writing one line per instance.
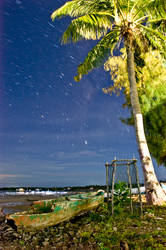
(16, 203)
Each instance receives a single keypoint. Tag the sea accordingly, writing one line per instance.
(33, 192)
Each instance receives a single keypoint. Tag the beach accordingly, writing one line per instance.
(15, 202)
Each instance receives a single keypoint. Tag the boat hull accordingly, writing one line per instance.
(61, 211)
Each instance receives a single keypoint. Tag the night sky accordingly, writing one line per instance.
(54, 131)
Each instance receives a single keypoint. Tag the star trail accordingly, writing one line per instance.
(53, 131)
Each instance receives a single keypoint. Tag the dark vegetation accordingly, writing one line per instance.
(96, 230)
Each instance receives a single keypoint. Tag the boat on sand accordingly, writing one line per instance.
(51, 212)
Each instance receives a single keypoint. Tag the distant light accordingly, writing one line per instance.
(86, 142)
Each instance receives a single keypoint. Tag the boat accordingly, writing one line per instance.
(51, 212)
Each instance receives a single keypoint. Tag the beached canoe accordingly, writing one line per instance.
(51, 212)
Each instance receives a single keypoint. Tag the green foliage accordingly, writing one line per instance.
(156, 132)
(77, 8)
(145, 232)
(22, 243)
(95, 217)
(151, 84)
(89, 27)
(102, 247)
(85, 236)
(97, 55)
(113, 22)
(121, 195)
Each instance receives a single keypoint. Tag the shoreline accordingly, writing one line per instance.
(16, 203)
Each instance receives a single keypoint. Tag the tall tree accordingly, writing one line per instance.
(135, 24)
(151, 85)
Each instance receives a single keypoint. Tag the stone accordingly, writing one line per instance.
(159, 218)
(115, 229)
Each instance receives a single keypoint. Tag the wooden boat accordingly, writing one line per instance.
(51, 212)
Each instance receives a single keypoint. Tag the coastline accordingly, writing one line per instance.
(14, 203)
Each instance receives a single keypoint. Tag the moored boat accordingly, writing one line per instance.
(51, 212)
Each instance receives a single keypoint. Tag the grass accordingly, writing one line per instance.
(98, 229)
(146, 232)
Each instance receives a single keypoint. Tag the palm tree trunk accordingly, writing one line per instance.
(154, 192)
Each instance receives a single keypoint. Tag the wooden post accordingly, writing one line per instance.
(114, 165)
(139, 191)
(113, 181)
(130, 185)
(107, 183)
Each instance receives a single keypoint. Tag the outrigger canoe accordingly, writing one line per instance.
(51, 212)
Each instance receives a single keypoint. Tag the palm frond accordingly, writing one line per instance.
(159, 24)
(94, 18)
(152, 8)
(121, 7)
(98, 54)
(156, 39)
(156, 44)
(88, 27)
(141, 19)
(157, 7)
(157, 20)
(137, 7)
(76, 8)
(154, 32)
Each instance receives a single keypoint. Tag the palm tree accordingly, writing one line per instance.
(136, 24)
(151, 86)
